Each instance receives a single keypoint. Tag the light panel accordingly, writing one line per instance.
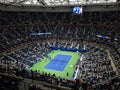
(56, 2)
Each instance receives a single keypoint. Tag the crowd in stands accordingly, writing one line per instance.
(16, 27)
(8, 84)
(95, 67)
(113, 84)
(28, 56)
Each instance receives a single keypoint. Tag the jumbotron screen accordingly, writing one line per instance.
(77, 10)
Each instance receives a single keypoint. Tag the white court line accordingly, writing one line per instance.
(61, 66)
(78, 68)
(62, 58)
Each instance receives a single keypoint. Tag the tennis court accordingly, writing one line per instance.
(59, 62)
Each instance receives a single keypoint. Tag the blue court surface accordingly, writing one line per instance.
(59, 62)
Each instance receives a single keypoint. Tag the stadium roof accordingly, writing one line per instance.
(56, 2)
